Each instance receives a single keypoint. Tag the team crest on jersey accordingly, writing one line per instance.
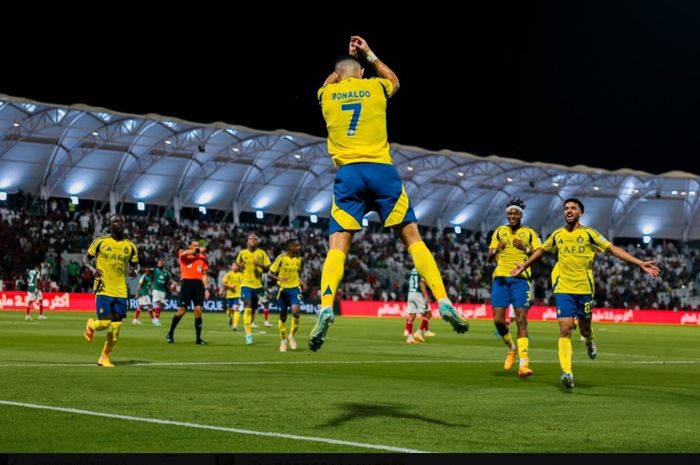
(579, 239)
(126, 249)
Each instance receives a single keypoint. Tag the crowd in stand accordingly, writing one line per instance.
(54, 234)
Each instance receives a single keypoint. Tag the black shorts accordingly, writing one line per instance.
(192, 291)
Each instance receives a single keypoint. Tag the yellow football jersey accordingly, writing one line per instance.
(510, 256)
(113, 258)
(355, 114)
(288, 270)
(252, 274)
(573, 273)
(233, 278)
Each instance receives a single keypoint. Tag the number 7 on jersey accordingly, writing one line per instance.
(355, 108)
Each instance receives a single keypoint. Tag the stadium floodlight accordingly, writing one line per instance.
(460, 218)
(74, 199)
(205, 198)
(646, 238)
(140, 206)
(458, 229)
(202, 209)
(259, 214)
(3, 195)
(320, 202)
(76, 187)
(365, 222)
(314, 218)
(263, 199)
(144, 192)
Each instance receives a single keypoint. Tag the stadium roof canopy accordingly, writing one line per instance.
(98, 154)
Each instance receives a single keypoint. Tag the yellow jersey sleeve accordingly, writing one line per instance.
(276, 265)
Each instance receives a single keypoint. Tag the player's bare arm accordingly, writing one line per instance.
(526, 264)
(87, 261)
(205, 281)
(649, 267)
(331, 79)
(257, 262)
(274, 276)
(134, 270)
(353, 48)
(494, 252)
(522, 246)
(379, 66)
(194, 249)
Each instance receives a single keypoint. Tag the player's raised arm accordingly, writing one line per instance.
(379, 66)
(331, 79)
(649, 267)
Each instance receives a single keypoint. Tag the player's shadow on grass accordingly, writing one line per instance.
(355, 411)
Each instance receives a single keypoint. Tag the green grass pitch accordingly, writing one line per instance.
(365, 391)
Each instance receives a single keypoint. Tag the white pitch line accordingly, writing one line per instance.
(345, 362)
(212, 427)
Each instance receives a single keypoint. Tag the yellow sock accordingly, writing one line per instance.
(523, 344)
(282, 326)
(109, 344)
(100, 325)
(333, 269)
(565, 352)
(236, 317)
(508, 340)
(427, 268)
(116, 327)
(248, 320)
(295, 325)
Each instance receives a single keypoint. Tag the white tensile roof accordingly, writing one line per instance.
(95, 153)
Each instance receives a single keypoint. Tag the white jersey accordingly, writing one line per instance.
(416, 301)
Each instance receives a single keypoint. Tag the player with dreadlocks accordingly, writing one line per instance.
(512, 244)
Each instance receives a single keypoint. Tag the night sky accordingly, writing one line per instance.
(609, 84)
